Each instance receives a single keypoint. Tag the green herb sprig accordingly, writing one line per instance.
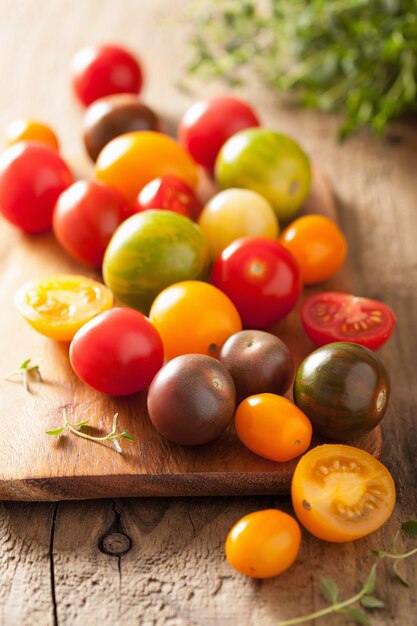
(112, 436)
(410, 527)
(358, 57)
(24, 372)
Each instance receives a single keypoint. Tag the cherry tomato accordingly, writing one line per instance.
(236, 213)
(30, 130)
(131, 161)
(209, 123)
(340, 493)
(98, 71)
(260, 277)
(272, 427)
(333, 316)
(85, 217)
(194, 317)
(32, 176)
(169, 193)
(263, 544)
(57, 306)
(318, 244)
(118, 352)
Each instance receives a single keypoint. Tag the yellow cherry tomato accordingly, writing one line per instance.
(30, 130)
(318, 245)
(341, 493)
(193, 317)
(236, 213)
(131, 161)
(57, 306)
(272, 427)
(263, 544)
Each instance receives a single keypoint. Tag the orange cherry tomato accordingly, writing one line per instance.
(272, 427)
(194, 317)
(263, 544)
(340, 493)
(318, 245)
(131, 161)
(30, 130)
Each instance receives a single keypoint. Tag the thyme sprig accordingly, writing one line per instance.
(24, 372)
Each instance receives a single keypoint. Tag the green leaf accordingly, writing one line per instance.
(329, 590)
(24, 365)
(400, 576)
(410, 527)
(370, 602)
(58, 431)
(83, 423)
(369, 585)
(379, 553)
(127, 436)
(358, 616)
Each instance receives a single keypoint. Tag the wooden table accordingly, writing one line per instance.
(160, 561)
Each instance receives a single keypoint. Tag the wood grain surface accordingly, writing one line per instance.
(160, 561)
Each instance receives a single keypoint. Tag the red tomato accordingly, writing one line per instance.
(209, 123)
(169, 193)
(32, 176)
(260, 277)
(118, 352)
(333, 316)
(85, 217)
(98, 71)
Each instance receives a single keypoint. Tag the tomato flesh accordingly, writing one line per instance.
(334, 316)
(57, 306)
(341, 493)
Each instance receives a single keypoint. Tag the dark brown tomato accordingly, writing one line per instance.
(192, 399)
(112, 116)
(258, 362)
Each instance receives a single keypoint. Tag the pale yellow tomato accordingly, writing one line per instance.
(236, 213)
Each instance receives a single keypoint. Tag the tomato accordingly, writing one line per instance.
(207, 124)
(171, 194)
(118, 352)
(263, 544)
(270, 163)
(191, 399)
(112, 116)
(340, 493)
(333, 316)
(131, 161)
(319, 246)
(236, 213)
(272, 427)
(57, 306)
(194, 317)
(32, 176)
(85, 217)
(98, 71)
(150, 251)
(260, 277)
(30, 130)
(344, 389)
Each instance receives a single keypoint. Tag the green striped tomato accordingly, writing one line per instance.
(270, 163)
(150, 251)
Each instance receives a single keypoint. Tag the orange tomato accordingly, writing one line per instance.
(263, 544)
(194, 317)
(340, 493)
(30, 130)
(272, 427)
(131, 161)
(318, 245)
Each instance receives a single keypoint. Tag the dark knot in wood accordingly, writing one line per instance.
(115, 544)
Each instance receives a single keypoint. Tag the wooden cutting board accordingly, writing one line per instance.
(34, 466)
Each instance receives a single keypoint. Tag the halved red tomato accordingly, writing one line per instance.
(333, 316)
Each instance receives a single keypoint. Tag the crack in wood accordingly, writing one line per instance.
(52, 565)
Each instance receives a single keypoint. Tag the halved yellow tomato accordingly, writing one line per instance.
(57, 306)
(341, 493)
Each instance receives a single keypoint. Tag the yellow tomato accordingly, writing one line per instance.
(193, 317)
(30, 130)
(57, 306)
(131, 161)
(341, 493)
(236, 213)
